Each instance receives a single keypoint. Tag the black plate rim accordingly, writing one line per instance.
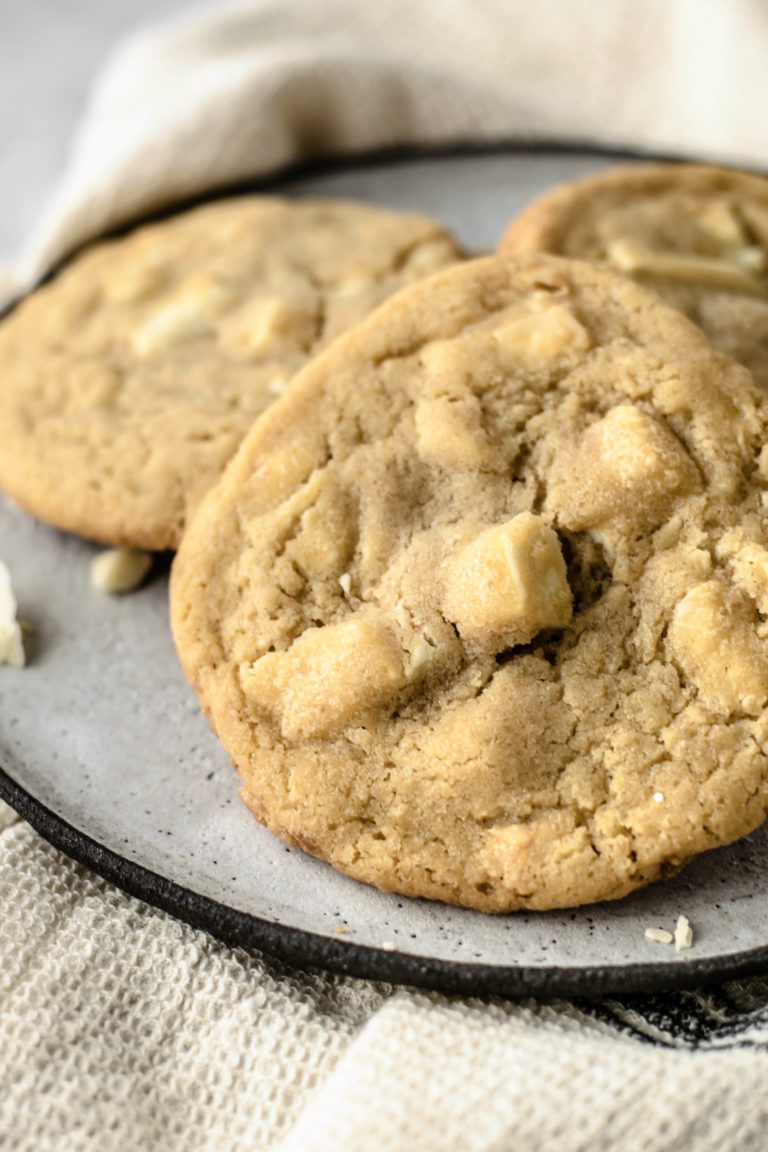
(300, 947)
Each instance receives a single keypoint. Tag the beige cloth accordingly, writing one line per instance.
(123, 1029)
(258, 85)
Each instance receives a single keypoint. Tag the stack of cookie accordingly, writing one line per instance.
(477, 607)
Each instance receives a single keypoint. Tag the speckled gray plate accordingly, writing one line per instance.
(105, 752)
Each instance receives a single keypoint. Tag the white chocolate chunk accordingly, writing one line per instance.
(402, 616)
(119, 570)
(719, 220)
(628, 256)
(683, 933)
(509, 583)
(627, 468)
(448, 364)
(420, 655)
(267, 323)
(659, 935)
(324, 537)
(172, 325)
(712, 636)
(321, 545)
(11, 645)
(189, 312)
(449, 430)
(750, 258)
(330, 677)
(290, 477)
(448, 414)
(131, 284)
(208, 294)
(352, 286)
(542, 332)
(278, 383)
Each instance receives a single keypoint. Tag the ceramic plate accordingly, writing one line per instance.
(104, 750)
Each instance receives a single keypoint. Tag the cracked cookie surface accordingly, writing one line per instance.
(478, 608)
(697, 235)
(129, 380)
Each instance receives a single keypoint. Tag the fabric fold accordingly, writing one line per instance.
(247, 89)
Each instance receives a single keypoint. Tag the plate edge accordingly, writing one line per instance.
(298, 947)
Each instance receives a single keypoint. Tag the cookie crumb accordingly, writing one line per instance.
(683, 933)
(339, 929)
(11, 644)
(346, 583)
(390, 946)
(659, 935)
(119, 570)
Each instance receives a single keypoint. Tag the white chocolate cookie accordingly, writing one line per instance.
(697, 235)
(130, 379)
(489, 581)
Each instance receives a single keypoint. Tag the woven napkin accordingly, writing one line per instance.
(125, 1029)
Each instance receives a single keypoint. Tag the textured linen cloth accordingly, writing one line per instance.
(121, 1028)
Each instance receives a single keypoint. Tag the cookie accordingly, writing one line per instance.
(478, 608)
(130, 379)
(696, 235)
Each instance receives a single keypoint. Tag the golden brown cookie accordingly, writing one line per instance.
(479, 607)
(130, 379)
(696, 235)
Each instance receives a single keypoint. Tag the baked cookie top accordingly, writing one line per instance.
(129, 380)
(478, 608)
(696, 235)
